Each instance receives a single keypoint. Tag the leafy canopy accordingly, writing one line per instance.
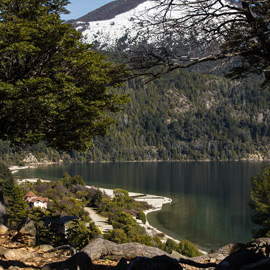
(52, 86)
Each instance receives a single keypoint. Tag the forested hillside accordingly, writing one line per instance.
(182, 116)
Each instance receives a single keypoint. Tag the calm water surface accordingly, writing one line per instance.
(210, 199)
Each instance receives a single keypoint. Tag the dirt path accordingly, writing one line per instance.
(99, 221)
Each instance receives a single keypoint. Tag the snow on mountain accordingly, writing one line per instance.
(120, 31)
(132, 27)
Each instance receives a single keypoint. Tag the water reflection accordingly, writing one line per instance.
(210, 199)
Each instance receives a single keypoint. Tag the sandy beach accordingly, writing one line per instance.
(153, 200)
(15, 169)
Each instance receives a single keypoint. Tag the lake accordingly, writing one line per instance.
(210, 199)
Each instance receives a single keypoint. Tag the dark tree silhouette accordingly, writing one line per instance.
(193, 32)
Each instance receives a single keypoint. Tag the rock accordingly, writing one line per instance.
(100, 248)
(17, 255)
(30, 158)
(81, 260)
(2, 251)
(44, 248)
(156, 263)
(176, 255)
(238, 259)
(3, 229)
(14, 268)
(26, 233)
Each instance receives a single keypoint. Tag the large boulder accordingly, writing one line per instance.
(100, 248)
(26, 233)
(3, 229)
(17, 255)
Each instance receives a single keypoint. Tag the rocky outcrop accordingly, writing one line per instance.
(26, 233)
(100, 248)
(251, 256)
(3, 229)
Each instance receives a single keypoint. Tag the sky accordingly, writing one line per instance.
(79, 8)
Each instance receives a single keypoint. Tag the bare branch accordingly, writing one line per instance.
(205, 30)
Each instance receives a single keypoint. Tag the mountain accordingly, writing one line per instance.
(182, 116)
(117, 25)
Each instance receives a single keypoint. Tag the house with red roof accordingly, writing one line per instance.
(36, 201)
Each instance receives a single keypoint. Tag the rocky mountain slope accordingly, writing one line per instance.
(115, 25)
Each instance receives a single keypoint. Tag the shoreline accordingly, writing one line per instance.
(16, 168)
(155, 201)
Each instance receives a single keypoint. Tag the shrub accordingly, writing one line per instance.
(188, 249)
(141, 215)
(118, 236)
(170, 245)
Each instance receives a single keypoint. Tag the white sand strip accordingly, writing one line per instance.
(30, 180)
(15, 169)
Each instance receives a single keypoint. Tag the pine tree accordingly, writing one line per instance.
(16, 206)
(260, 196)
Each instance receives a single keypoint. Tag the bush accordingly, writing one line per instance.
(118, 236)
(141, 215)
(78, 234)
(188, 249)
(170, 245)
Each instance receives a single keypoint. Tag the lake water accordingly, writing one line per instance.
(210, 199)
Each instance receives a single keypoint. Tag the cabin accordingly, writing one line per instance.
(36, 201)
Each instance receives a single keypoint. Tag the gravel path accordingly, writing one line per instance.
(99, 221)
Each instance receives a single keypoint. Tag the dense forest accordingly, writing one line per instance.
(182, 116)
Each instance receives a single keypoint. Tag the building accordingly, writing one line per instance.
(36, 201)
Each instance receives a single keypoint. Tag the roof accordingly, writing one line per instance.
(43, 200)
(30, 194)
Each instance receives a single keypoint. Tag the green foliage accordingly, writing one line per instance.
(183, 116)
(53, 87)
(170, 245)
(188, 249)
(141, 215)
(121, 197)
(96, 198)
(69, 181)
(260, 196)
(78, 235)
(6, 179)
(184, 247)
(17, 206)
(118, 236)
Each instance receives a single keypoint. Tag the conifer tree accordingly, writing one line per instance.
(260, 196)
(16, 206)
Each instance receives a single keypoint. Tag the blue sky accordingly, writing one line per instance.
(79, 8)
